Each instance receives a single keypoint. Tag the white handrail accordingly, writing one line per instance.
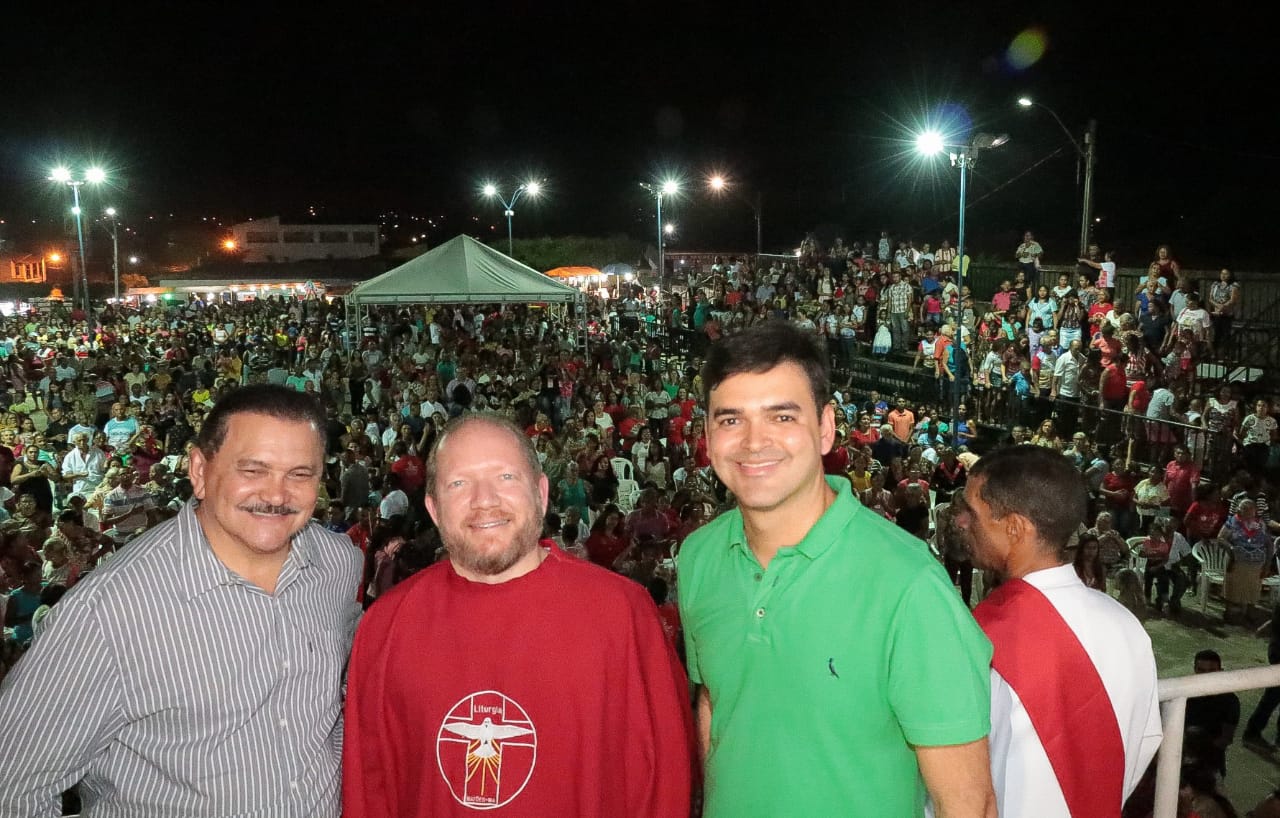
(1174, 693)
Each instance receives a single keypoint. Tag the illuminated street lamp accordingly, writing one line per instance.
(719, 184)
(229, 245)
(1085, 153)
(932, 143)
(63, 176)
(531, 188)
(668, 187)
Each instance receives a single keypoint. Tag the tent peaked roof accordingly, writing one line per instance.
(462, 270)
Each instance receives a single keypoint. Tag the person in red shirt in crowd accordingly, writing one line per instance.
(607, 539)
(1099, 310)
(1117, 494)
(686, 403)
(410, 468)
(668, 612)
(477, 683)
(865, 434)
(1181, 477)
(1205, 516)
(1107, 343)
(676, 427)
(541, 425)
(913, 478)
(362, 530)
(1113, 389)
(628, 427)
(700, 457)
(1003, 298)
(647, 521)
(617, 412)
(836, 461)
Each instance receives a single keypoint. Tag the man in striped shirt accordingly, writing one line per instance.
(200, 671)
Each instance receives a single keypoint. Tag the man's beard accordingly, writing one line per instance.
(491, 562)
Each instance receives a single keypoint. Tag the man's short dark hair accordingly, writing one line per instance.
(524, 444)
(1208, 655)
(761, 347)
(1037, 483)
(278, 402)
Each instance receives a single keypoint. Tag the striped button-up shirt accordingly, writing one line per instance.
(165, 684)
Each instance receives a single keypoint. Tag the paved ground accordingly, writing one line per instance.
(1250, 775)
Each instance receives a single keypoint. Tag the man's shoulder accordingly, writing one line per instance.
(706, 539)
(135, 572)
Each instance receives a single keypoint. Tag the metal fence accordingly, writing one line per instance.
(1173, 710)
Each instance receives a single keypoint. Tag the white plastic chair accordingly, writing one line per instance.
(1271, 583)
(1136, 561)
(628, 493)
(1213, 556)
(622, 469)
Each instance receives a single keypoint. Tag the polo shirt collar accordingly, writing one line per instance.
(824, 532)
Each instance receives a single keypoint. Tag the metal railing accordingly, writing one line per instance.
(1173, 711)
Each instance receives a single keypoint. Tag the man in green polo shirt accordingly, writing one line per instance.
(838, 672)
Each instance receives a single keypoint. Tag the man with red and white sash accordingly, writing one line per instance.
(1075, 717)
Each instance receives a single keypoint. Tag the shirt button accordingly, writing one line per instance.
(284, 723)
(285, 664)
(759, 577)
(293, 785)
(759, 613)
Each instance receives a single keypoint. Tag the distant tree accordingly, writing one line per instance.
(549, 252)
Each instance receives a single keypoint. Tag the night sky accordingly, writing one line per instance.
(237, 110)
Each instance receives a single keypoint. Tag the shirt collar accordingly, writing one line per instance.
(200, 569)
(824, 533)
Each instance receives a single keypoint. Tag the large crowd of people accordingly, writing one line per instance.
(103, 415)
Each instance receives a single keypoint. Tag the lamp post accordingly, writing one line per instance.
(718, 184)
(931, 143)
(1085, 152)
(63, 176)
(532, 188)
(115, 249)
(669, 187)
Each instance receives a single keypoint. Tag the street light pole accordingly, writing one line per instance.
(668, 188)
(115, 249)
(1086, 217)
(929, 144)
(509, 207)
(62, 175)
(75, 293)
(759, 208)
(1085, 152)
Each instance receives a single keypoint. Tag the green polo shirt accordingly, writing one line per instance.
(825, 669)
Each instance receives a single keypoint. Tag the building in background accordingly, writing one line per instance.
(267, 240)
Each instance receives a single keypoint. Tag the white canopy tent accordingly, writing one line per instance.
(461, 271)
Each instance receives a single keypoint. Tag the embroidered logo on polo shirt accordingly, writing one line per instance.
(486, 750)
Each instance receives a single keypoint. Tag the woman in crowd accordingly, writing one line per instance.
(1224, 300)
(1088, 563)
(1245, 533)
(1150, 495)
(572, 491)
(1221, 419)
(878, 498)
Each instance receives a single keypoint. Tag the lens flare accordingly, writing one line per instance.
(1027, 48)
